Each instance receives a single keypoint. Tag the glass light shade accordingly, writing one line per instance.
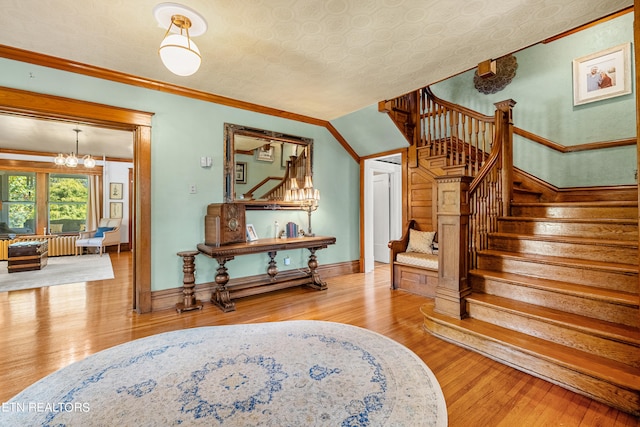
(180, 55)
(72, 161)
(89, 162)
(294, 184)
(59, 159)
(307, 182)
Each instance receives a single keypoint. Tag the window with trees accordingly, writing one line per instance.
(25, 194)
(68, 197)
(19, 207)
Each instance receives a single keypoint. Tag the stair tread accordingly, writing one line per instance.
(614, 221)
(595, 366)
(614, 331)
(555, 260)
(597, 203)
(610, 295)
(632, 244)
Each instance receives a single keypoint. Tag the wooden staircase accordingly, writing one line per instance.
(555, 294)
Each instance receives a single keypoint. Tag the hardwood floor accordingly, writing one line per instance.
(46, 329)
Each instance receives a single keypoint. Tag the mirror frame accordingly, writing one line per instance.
(230, 132)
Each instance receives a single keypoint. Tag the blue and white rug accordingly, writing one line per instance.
(296, 373)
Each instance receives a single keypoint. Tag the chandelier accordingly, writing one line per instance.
(71, 161)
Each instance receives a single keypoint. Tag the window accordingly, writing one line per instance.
(19, 209)
(68, 197)
(63, 198)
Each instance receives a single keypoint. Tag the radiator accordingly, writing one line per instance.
(58, 245)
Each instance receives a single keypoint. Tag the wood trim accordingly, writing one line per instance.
(574, 148)
(41, 105)
(33, 104)
(167, 298)
(361, 213)
(342, 141)
(33, 166)
(589, 25)
(551, 193)
(142, 219)
(116, 76)
(384, 154)
(49, 153)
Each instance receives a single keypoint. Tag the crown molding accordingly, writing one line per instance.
(35, 58)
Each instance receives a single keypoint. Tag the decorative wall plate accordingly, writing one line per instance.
(505, 72)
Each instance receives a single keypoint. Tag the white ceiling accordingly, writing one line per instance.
(319, 58)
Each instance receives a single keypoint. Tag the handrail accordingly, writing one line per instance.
(574, 148)
(461, 108)
(296, 168)
(464, 137)
(249, 194)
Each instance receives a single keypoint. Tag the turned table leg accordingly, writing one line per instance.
(189, 301)
(221, 296)
(317, 282)
(272, 270)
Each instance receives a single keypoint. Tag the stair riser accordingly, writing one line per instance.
(624, 254)
(602, 391)
(573, 229)
(601, 346)
(620, 212)
(604, 279)
(598, 309)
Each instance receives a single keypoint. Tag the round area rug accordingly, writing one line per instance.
(296, 373)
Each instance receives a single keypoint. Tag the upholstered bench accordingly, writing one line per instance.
(414, 261)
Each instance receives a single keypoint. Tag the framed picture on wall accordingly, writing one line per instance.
(115, 209)
(115, 190)
(602, 75)
(265, 153)
(241, 172)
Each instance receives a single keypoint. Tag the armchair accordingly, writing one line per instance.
(107, 234)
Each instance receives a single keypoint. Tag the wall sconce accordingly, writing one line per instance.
(177, 51)
(308, 197)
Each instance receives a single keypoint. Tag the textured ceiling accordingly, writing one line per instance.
(320, 58)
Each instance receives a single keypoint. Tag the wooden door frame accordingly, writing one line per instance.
(36, 105)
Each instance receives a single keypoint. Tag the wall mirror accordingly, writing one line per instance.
(259, 166)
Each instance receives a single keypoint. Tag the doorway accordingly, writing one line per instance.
(36, 105)
(382, 207)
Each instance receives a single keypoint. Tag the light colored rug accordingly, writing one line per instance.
(58, 271)
(295, 373)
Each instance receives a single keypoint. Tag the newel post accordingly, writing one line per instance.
(504, 129)
(453, 241)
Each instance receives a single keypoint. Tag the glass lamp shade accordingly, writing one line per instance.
(59, 159)
(180, 55)
(71, 161)
(89, 162)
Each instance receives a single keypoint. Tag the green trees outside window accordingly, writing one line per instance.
(68, 195)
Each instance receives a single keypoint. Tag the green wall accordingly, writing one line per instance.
(543, 90)
(183, 130)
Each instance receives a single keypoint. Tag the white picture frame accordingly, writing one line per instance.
(602, 75)
(251, 233)
(265, 153)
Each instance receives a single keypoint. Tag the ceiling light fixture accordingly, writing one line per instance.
(177, 51)
(71, 161)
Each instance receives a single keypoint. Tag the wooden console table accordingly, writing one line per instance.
(223, 293)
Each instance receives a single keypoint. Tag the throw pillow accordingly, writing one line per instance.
(420, 241)
(100, 231)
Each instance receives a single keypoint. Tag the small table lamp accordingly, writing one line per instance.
(308, 197)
